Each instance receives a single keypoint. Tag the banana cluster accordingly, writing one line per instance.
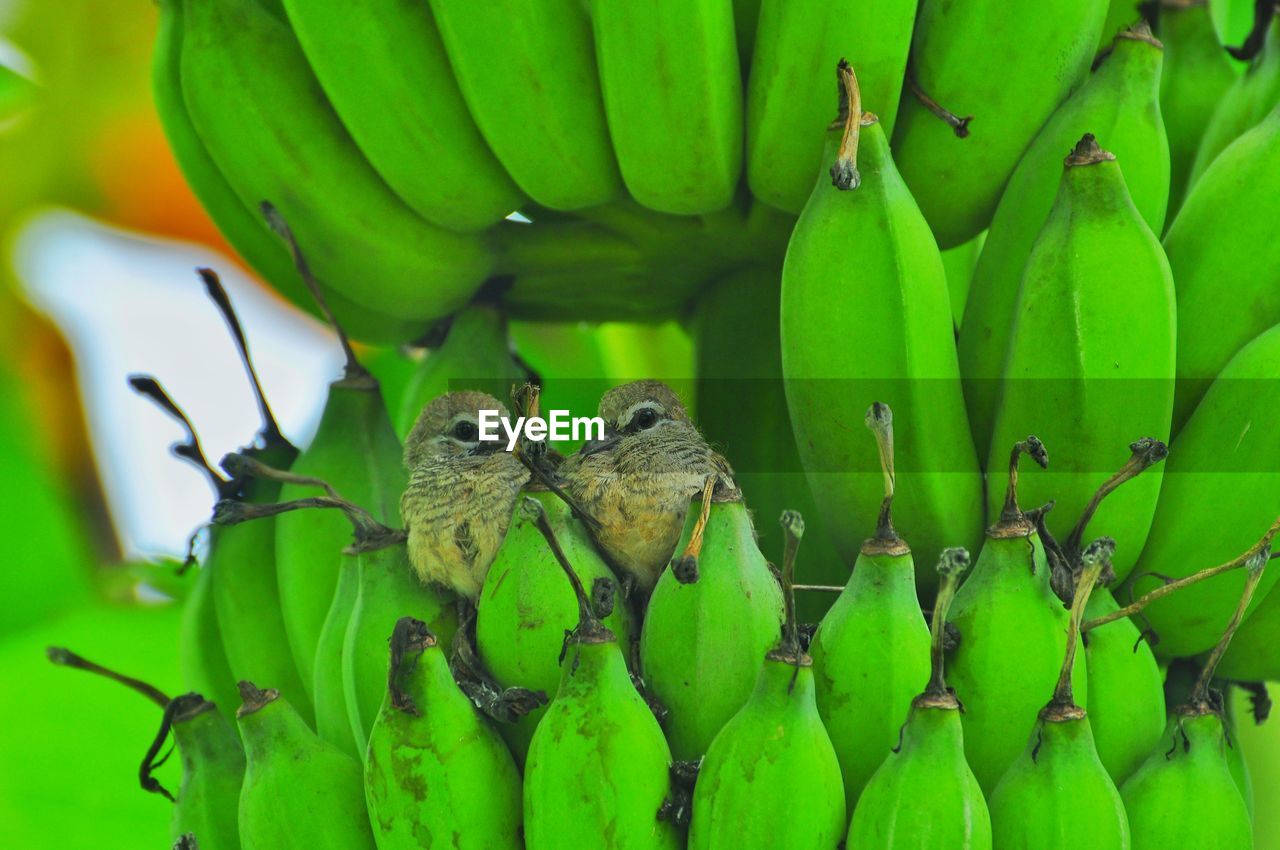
(439, 643)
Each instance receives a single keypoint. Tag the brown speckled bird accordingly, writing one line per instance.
(638, 481)
(461, 492)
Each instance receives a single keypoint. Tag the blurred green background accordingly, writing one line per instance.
(78, 132)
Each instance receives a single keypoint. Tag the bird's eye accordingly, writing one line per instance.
(645, 419)
(465, 431)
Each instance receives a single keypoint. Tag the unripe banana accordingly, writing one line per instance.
(269, 128)
(598, 765)
(1093, 334)
(1058, 793)
(356, 452)
(1118, 103)
(1196, 74)
(1187, 793)
(1233, 482)
(213, 762)
(871, 650)
(389, 589)
(299, 792)
(1126, 698)
(526, 607)
(775, 744)
(672, 98)
(238, 222)
(924, 796)
(735, 329)
(1181, 679)
(1012, 638)
(376, 53)
(702, 639)
(1242, 106)
(213, 768)
(436, 774)
(333, 722)
(201, 657)
(959, 263)
(898, 346)
(961, 54)
(1218, 228)
(789, 92)
(475, 355)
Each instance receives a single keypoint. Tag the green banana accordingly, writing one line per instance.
(706, 629)
(735, 327)
(959, 263)
(1187, 793)
(1196, 75)
(269, 128)
(598, 766)
(371, 54)
(436, 774)
(1178, 685)
(474, 355)
(237, 222)
(1218, 228)
(241, 559)
(1058, 793)
(961, 54)
(388, 589)
(333, 722)
(871, 650)
(746, 19)
(897, 346)
(1231, 481)
(1012, 635)
(1126, 699)
(525, 606)
(1119, 103)
(299, 792)
(528, 75)
(673, 103)
(201, 658)
(356, 451)
(789, 92)
(1242, 106)
(771, 777)
(213, 762)
(1254, 655)
(924, 796)
(1093, 338)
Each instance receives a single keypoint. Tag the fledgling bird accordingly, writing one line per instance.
(461, 494)
(638, 481)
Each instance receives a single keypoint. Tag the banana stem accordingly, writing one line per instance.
(951, 565)
(370, 535)
(1255, 567)
(148, 387)
(960, 126)
(1263, 11)
(818, 588)
(1262, 546)
(793, 529)
(844, 171)
(879, 419)
(687, 563)
(588, 622)
(66, 658)
(1095, 559)
(409, 639)
(271, 434)
(352, 370)
(1144, 454)
(1033, 448)
(238, 465)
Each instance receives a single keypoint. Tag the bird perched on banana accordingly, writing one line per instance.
(638, 480)
(461, 494)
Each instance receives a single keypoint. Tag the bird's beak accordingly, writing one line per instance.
(608, 441)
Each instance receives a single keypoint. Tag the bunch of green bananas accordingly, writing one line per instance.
(1022, 222)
